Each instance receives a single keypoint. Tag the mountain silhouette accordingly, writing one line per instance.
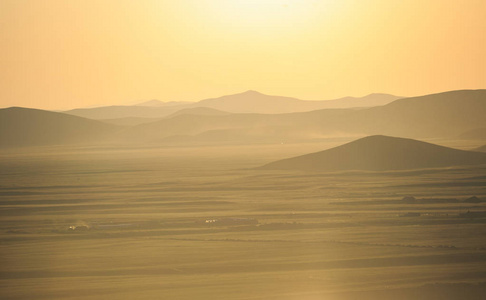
(33, 127)
(247, 102)
(431, 116)
(134, 121)
(380, 153)
(445, 114)
(255, 102)
(129, 121)
(188, 125)
(253, 127)
(118, 112)
(199, 111)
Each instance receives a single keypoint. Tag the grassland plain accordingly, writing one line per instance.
(130, 223)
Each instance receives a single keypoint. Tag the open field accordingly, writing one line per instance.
(179, 223)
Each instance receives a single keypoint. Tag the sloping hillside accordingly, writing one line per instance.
(255, 102)
(445, 114)
(432, 116)
(380, 153)
(118, 112)
(199, 111)
(33, 127)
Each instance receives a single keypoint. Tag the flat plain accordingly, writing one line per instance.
(203, 223)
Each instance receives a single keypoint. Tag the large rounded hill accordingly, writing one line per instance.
(380, 153)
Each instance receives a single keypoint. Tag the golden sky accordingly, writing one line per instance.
(59, 54)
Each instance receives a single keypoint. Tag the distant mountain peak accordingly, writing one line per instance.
(251, 92)
(380, 94)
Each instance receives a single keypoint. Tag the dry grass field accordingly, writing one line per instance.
(202, 223)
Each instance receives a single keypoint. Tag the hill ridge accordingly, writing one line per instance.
(380, 153)
(21, 126)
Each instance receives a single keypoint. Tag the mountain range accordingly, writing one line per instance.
(247, 102)
(255, 102)
(442, 115)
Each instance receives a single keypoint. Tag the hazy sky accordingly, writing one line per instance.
(64, 53)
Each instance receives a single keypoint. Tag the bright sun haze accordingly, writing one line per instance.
(65, 54)
(243, 149)
(260, 15)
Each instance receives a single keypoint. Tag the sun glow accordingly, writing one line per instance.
(268, 13)
(111, 52)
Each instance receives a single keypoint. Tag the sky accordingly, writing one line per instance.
(61, 54)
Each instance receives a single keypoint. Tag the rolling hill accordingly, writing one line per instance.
(118, 112)
(129, 121)
(380, 153)
(199, 111)
(32, 127)
(445, 114)
(253, 127)
(134, 121)
(431, 116)
(255, 102)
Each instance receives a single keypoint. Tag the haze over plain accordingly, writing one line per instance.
(191, 149)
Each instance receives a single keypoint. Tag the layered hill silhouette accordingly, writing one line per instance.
(443, 115)
(118, 112)
(255, 102)
(33, 127)
(439, 115)
(380, 153)
(250, 127)
(199, 111)
(133, 121)
(247, 102)
(129, 121)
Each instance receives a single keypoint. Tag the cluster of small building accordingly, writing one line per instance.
(231, 221)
